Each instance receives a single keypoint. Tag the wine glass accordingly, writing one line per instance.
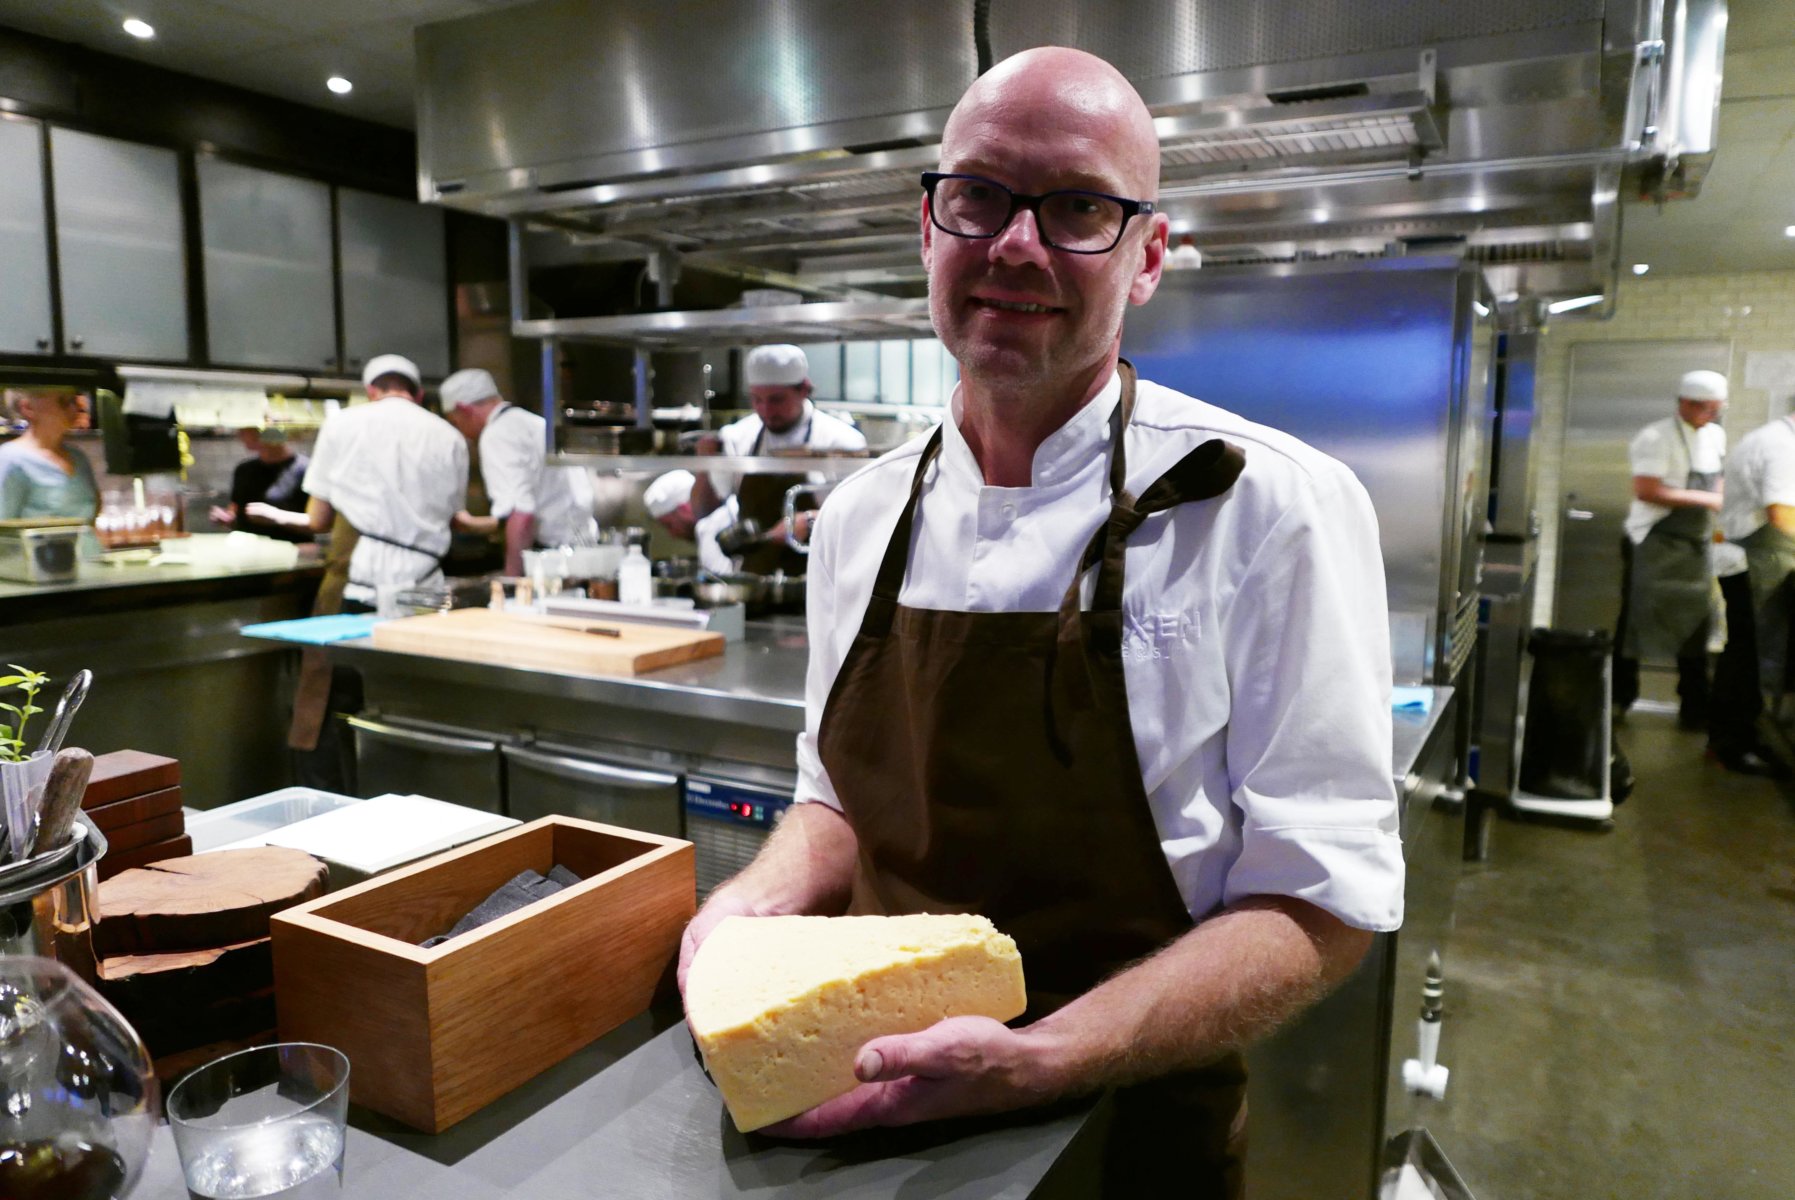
(77, 1091)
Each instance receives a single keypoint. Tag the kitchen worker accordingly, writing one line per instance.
(1668, 594)
(669, 501)
(1097, 660)
(538, 504)
(40, 474)
(1758, 515)
(784, 419)
(396, 473)
(273, 477)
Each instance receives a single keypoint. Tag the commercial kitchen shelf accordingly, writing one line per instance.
(843, 320)
(831, 469)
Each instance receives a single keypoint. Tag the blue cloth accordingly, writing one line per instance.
(33, 486)
(1412, 699)
(316, 631)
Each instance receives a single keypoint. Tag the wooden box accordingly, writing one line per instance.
(433, 1035)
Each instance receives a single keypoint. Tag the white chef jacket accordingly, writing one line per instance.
(1760, 473)
(396, 472)
(1669, 450)
(815, 430)
(1256, 637)
(710, 555)
(513, 450)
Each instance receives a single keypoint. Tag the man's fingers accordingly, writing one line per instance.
(946, 1049)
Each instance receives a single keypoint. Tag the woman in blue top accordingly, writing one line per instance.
(39, 475)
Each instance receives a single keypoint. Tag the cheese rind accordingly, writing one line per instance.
(780, 1006)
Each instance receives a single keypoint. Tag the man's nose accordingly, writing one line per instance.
(1019, 243)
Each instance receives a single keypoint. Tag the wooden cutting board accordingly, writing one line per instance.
(482, 635)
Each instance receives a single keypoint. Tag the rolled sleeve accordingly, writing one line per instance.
(319, 471)
(511, 465)
(1309, 732)
(1649, 455)
(1779, 480)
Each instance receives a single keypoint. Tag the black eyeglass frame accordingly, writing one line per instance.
(1020, 200)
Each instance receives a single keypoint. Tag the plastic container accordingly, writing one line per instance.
(635, 578)
(260, 815)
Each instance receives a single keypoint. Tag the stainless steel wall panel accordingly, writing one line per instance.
(1616, 389)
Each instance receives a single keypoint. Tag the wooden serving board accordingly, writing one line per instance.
(202, 901)
(482, 635)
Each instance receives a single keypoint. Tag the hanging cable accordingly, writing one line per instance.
(981, 32)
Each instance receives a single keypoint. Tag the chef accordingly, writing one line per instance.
(1668, 609)
(269, 478)
(1759, 514)
(1095, 659)
(784, 419)
(396, 474)
(540, 505)
(669, 501)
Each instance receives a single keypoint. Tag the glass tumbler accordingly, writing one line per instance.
(266, 1122)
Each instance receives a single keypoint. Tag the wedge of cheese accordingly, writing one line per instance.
(780, 1006)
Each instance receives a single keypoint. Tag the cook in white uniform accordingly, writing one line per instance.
(540, 505)
(1758, 517)
(1099, 660)
(1667, 610)
(784, 419)
(397, 474)
(669, 500)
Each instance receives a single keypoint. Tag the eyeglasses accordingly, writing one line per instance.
(1078, 222)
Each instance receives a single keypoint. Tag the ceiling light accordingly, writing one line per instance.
(139, 29)
(1789, 230)
(1575, 302)
(1641, 268)
(339, 85)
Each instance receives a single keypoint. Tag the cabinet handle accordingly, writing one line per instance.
(585, 768)
(418, 737)
(43, 343)
(77, 342)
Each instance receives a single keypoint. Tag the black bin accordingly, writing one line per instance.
(1563, 755)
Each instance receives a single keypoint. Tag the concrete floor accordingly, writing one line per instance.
(1621, 1005)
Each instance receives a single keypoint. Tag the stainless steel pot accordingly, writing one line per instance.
(715, 591)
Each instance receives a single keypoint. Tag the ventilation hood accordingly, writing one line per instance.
(784, 141)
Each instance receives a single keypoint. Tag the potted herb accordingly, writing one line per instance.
(22, 772)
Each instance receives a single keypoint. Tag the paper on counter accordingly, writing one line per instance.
(384, 832)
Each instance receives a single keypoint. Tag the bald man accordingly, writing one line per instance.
(1142, 654)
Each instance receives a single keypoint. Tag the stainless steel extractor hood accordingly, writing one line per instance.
(784, 141)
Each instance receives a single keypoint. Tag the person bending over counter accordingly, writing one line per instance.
(40, 475)
(267, 489)
(669, 501)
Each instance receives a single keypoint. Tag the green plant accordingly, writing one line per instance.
(12, 736)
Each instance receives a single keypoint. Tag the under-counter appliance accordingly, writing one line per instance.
(406, 757)
(727, 822)
(40, 550)
(545, 778)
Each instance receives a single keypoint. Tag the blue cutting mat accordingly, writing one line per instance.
(316, 631)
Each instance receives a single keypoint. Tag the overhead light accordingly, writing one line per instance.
(339, 85)
(1789, 230)
(1641, 268)
(1574, 303)
(139, 29)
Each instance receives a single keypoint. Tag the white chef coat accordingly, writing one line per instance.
(1761, 472)
(814, 430)
(513, 450)
(1256, 637)
(710, 555)
(396, 472)
(1669, 450)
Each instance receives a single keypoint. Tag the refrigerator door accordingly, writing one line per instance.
(544, 779)
(438, 761)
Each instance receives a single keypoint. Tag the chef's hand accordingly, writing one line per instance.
(222, 514)
(263, 513)
(955, 1068)
(721, 904)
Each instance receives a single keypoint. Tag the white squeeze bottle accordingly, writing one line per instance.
(634, 582)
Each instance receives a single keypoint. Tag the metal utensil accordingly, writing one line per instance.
(64, 716)
(62, 798)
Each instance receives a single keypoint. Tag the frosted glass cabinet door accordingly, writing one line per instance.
(269, 296)
(24, 246)
(118, 236)
(395, 281)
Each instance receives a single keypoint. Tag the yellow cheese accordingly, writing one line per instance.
(780, 1006)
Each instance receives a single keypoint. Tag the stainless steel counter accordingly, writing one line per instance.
(632, 1117)
(99, 587)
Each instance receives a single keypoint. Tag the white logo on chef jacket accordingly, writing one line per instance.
(1148, 636)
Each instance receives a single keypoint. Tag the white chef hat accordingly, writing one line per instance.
(468, 387)
(667, 493)
(780, 366)
(391, 364)
(1702, 385)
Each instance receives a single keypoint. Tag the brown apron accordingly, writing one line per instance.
(761, 498)
(311, 699)
(987, 764)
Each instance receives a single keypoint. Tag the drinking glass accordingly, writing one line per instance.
(266, 1122)
(77, 1092)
